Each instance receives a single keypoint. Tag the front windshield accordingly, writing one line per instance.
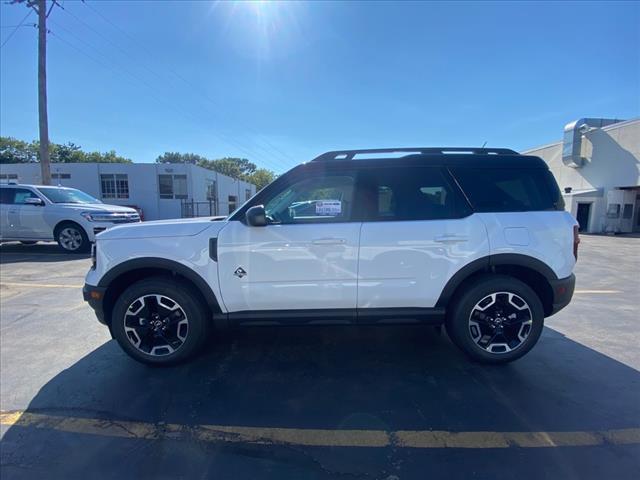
(67, 195)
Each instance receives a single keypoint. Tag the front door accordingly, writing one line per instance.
(306, 258)
(582, 216)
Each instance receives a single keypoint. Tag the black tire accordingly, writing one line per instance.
(68, 234)
(194, 311)
(28, 242)
(473, 330)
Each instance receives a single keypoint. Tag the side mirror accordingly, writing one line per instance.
(256, 216)
(33, 201)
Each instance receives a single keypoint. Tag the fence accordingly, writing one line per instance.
(192, 209)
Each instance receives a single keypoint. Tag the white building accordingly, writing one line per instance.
(597, 166)
(160, 190)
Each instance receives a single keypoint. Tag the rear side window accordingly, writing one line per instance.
(415, 193)
(6, 195)
(509, 189)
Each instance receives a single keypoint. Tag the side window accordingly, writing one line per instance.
(323, 199)
(509, 189)
(6, 195)
(21, 194)
(415, 193)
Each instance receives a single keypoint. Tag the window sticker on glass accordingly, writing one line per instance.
(329, 207)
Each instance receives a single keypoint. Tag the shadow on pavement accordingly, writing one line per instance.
(15, 252)
(389, 378)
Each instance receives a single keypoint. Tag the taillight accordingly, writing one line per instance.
(576, 241)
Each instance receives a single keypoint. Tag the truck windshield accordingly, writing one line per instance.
(67, 195)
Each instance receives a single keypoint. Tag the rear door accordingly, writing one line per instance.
(418, 231)
(6, 199)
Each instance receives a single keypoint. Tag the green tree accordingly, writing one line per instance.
(19, 151)
(261, 178)
(13, 150)
(176, 157)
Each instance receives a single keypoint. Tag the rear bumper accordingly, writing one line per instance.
(94, 296)
(562, 292)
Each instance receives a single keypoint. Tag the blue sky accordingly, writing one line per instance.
(279, 83)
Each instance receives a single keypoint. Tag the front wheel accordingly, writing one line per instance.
(72, 238)
(158, 321)
(498, 319)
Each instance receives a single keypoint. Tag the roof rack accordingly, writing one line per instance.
(350, 154)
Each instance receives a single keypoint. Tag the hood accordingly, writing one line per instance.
(96, 207)
(179, 227)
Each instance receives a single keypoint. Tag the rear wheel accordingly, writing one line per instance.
(498, 319)
(72, 238)
(158, 321)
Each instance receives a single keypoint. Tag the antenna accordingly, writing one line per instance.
(484, 144)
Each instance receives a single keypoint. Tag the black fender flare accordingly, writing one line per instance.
(484, 264)
(163, 264)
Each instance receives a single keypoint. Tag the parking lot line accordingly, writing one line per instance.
(426, 439)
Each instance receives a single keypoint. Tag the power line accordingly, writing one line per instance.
(149, 87)
(16, 29)
(195, 87)
(278, 164)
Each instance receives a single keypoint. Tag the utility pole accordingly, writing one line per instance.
(40, 7)
(43, 119)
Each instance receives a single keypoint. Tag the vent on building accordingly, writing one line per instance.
(572, 142)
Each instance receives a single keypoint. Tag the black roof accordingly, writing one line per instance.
(431, 156)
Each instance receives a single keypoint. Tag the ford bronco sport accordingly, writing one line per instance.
(475, 239)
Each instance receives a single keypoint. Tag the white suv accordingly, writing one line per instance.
(475, 239)
(30, 213)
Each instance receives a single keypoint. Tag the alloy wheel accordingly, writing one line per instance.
(156, 325)
(70, 238)
(500, 322)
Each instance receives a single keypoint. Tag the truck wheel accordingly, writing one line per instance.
(497, 319)
(72, 238)
(159, 321)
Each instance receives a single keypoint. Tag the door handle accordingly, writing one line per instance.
(328, 241)
(451, 239)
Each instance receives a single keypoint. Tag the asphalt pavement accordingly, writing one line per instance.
(386, 402)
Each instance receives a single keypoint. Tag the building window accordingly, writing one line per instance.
(61, 176)
(172, 186)
(613, 210)
(247, 194)
(628, 211)
(233, 201)
(8, 176)
(211, 189)
(114, 185)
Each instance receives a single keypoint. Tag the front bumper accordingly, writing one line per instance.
(562, 292)
(94, 296)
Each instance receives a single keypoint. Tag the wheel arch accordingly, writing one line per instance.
(124, 274)
(535, 273)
